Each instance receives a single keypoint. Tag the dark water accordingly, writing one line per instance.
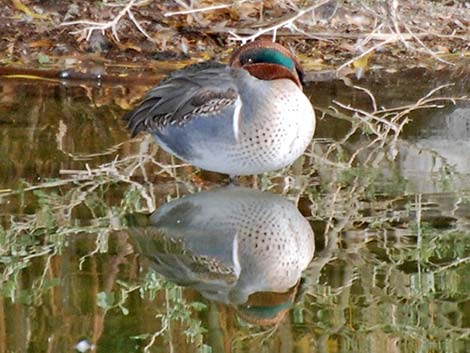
(363, 245)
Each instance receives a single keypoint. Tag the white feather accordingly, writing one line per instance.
(236, 118)
(236, 256)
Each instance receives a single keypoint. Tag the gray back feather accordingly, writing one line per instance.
(184, 93)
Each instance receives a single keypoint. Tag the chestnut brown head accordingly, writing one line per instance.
(268, 61)
(268, 308)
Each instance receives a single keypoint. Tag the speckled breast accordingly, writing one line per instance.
(274, 131)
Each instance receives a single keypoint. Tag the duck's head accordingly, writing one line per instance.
(268, 308)
(268, 61)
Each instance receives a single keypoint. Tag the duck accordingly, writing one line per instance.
(235, 245)
(245, 118)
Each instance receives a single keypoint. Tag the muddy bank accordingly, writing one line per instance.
(329, 34)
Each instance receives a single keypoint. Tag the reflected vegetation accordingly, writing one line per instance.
(90, 220)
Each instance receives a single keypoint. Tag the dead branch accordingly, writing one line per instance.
(287, 23)
(190, 11)
(91, 26)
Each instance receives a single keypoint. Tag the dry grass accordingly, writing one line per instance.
(360, 26)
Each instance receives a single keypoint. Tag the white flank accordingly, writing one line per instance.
(236, 117)
(236, 256)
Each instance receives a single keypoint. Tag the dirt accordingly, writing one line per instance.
(34, 33)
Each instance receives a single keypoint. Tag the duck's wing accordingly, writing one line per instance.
(195, 90)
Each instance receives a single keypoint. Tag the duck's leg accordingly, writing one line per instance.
(255, 182)
(232, 180)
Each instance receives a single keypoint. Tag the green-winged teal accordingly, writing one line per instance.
(230, 244)
(246, 118)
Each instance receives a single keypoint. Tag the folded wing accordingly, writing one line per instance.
(199, 89)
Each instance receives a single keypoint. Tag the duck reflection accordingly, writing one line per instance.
(234, 245)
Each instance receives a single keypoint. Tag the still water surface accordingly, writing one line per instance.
(363, 245)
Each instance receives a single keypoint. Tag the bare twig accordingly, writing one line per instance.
(433, 54)
(371, 49)
(92, 26)
(285, 23)
(397, 22)
(202, 9)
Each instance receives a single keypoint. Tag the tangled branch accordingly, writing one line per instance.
(92, 26)
(287, 23)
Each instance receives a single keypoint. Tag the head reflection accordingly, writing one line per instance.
(234, 245)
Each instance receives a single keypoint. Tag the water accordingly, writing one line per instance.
(385, 207)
